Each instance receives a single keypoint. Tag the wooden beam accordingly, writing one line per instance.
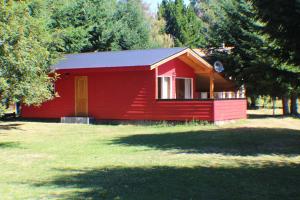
(204, 73)
(191, 63)
(193, 54)
(211, 85)
(196, 61)
(190, 54)
(156, 83)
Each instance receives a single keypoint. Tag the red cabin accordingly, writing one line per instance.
(156, 84)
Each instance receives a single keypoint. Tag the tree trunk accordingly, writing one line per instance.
(253, 102)
(265, 104)
(274, 105)
(294, 105)
(285, 106)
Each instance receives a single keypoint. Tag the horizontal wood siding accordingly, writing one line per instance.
(230, 109)
(122, 95)
(183, 110)
(62, 106)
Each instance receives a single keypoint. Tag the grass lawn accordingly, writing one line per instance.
(258, 158)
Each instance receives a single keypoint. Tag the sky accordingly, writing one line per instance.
(154, 3)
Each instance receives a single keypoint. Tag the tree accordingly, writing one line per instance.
(158, 37)
(282, 26)
(82, 25)
(26, 52)
(100, 25)
(284, 30)
(132, 28)
(212, 14)
(182, 23)
(251, 61)
(238, 29)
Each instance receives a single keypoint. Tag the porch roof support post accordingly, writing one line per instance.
(211, 85)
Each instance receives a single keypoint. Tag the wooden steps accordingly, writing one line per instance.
(76, 120)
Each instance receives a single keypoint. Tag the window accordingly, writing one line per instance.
(184, 88)
(164, 87)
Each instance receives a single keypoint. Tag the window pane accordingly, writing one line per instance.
(183, 88)
(166, 88)
(188, 89)
(159, 87)
(180, 88)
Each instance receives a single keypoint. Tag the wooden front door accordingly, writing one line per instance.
(81, 96)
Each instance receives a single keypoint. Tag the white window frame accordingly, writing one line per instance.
(192, 86)
(162, 89)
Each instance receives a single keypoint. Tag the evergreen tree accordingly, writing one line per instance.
(100, 25)
(83, 25)
(26, 52)
(182, 23)
(212, 14)
(282, 24)
(281, 20)
(251, 61)
(132, 28)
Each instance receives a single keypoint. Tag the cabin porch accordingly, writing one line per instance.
(206, 97)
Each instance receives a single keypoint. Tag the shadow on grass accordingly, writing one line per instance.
(237, 141)
(263, 116)
(9, 145)
(9, 126)
(276, 116)
(271, 182)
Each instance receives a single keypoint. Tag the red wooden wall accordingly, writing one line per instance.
(177, 68)
(230, 109)
(61, 106)
(122, 95)
(183, 110)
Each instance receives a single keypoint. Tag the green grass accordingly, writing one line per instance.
(257, 158)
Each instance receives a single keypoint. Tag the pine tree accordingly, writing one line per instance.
(182, 23)
(282, 24)
(281, 20)
(212, 14)
(131, 27)
(100, 25)
(251, 61)
(82, 25)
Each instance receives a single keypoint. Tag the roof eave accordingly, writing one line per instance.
(190, 52)
(101, 68)
(155, 65)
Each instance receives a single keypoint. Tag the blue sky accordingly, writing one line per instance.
(153, 4)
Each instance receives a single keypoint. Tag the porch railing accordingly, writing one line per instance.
(200, 109)
(217, 95)
(223, 95)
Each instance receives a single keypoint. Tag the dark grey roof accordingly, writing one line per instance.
(128, 58)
